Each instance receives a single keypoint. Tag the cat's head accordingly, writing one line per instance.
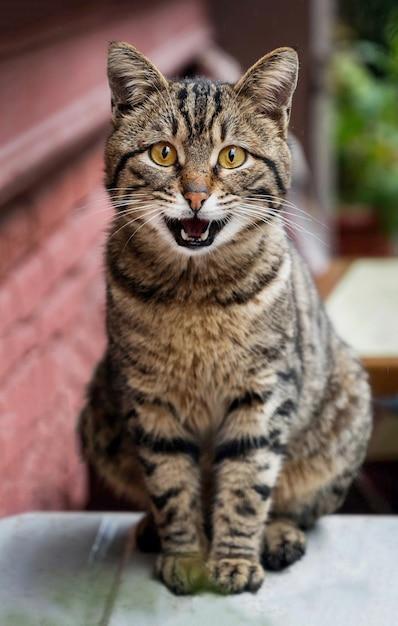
(198, 162)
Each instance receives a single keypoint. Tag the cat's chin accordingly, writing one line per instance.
(194, 234)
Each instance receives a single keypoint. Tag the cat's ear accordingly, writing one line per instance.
(132, 77)
(271, 82)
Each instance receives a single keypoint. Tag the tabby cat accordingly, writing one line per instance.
(225, 404)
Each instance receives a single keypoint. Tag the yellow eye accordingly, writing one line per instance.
(163, 153)
(231, 157)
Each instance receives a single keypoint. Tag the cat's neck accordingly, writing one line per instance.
(204, 278)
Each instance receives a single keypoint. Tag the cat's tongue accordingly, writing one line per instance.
(194, 227)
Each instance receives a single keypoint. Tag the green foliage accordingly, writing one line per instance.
(365, 78)
(367, 18)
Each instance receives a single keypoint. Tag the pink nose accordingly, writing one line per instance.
(196, 199)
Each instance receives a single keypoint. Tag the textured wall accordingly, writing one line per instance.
(55, 105)
(51, 333)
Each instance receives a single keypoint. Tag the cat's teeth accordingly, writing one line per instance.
(204, 235)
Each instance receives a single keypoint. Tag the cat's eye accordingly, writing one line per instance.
(231, 157)
(163, 153)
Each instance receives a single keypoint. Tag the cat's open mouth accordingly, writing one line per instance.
(194, 232)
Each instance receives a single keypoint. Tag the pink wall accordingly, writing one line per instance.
(54, 102)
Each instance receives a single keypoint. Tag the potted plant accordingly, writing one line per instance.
(365, 80)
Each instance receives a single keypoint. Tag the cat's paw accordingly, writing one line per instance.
(284, 544)
(182, 573)
(230, 575)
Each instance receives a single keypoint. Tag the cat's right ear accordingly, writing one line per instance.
(132, 77)
(270, 83)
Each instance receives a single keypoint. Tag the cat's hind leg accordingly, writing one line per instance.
(284, 543)
(106, 441)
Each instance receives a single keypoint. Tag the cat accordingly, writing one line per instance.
(225, 405)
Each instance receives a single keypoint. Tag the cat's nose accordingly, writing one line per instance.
(196, 199)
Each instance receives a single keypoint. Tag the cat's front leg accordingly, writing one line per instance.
(169, 460)
(247, 461)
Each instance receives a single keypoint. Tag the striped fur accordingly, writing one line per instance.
(225, 404)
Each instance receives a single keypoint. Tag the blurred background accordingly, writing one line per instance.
(54, 111)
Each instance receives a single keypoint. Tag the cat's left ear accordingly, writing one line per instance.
(271, 82)
(132, 77)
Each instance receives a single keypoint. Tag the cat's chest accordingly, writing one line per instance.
(206, 358)
(205, 344)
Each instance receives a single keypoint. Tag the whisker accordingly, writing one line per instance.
(131, 193)
(281, 203)
(115, 205)
(137, 229)
(130, 196)
(261, 211)
(125, 189)
(288, 203)
(252, 217)
(118, 212)
(107, 203)
(272, 197)
(252, 222)
(132, 210)
(294, 224)
(285, 221)
(150, 212)
(146, 211)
